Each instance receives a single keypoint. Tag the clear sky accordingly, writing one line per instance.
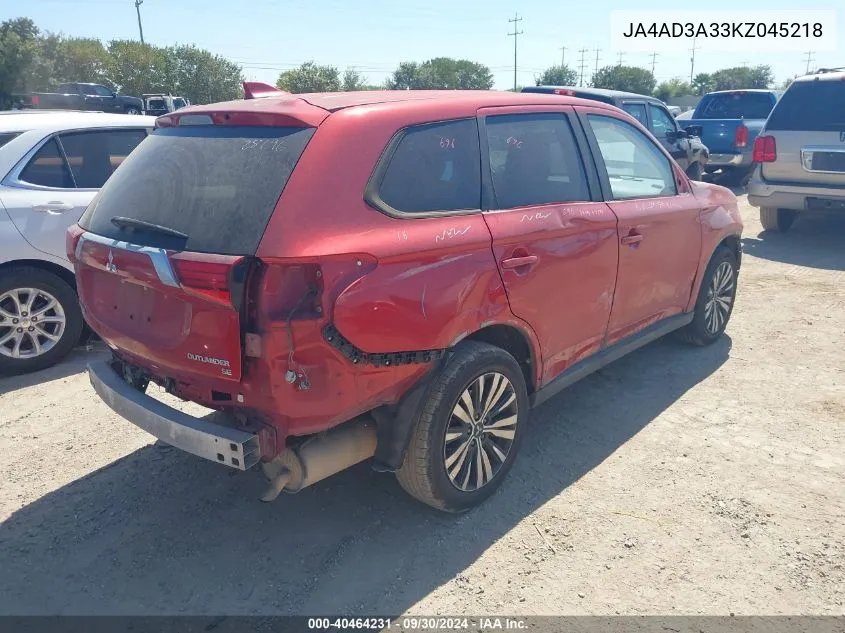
(373, 36)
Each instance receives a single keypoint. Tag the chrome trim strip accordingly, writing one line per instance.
(158, 256)
(809, 150)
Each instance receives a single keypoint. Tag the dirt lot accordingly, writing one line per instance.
(679, 480)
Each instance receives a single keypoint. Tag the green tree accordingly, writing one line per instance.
(674, 87)
(135, 68)
(18, 46)
(352, 80)
(558, 76)
(201, 76)
(626, 78)
(441, 73)
(702, 83)
(742, 77)
(310, 77)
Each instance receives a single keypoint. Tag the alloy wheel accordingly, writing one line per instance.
(720, 297)
(480, 432)
(32, 322)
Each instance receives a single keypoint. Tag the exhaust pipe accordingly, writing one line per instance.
(318, 458)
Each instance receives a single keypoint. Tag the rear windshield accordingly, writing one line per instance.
(812, 106)
(5, 137)
(217, 185)
(735, 105)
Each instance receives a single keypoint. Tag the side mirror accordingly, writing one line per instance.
(694, 130)
(681, 134)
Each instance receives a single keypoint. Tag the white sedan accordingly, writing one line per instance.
(52, 164)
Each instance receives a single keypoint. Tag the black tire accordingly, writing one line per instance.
(779, 220)
(701, 331)
(65, 295)
(424, 472)
(695, 171)
(133, 110)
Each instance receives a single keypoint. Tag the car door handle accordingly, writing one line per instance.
(632, 239)
(52, 207)
(518, 262)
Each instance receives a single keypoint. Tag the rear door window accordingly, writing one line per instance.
(812, 106)
(216, 184)
(735, 105)
(434, 167)
(636, 110)
(93, 156)
(48, 168)
(534, 160)
(661, 122)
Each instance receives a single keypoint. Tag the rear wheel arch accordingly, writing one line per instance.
(516, 343)
(59, 271)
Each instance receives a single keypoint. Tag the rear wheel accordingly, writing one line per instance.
(132, 110)
(469, 429)
(40, 319)
(774, 219)
(715, 301)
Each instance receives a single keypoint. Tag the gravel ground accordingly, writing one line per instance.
(676, 481)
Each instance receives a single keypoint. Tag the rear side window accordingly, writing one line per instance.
(48, 168)
(812, 106)
(93, 156)
(636, 168)
(636, 110)
(534, 160)
(662, 122)
(216, 184)
(434, 167)
(735, 105)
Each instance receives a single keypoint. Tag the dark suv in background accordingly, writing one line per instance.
(683, 144)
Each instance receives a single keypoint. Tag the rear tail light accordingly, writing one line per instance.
(35, 100)
(765, 150)
(567, 93)
(741, 138)
(72, 241)
(207, 276)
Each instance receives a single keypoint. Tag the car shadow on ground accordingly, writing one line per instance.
(159, 531)
(73, 363)
(817, 241)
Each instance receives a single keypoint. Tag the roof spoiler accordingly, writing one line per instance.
(257, 90)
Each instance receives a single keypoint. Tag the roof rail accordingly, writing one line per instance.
(820, 71)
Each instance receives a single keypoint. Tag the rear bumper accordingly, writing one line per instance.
(232, 447)
(729, 160)
(790, 196)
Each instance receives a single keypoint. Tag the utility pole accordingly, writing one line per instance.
(653, 61)
(692, 61)
(809, 55)
(138, 4)
(562, 56)
(583, 65)
(516, 20)
(597, 50)
(619, 61)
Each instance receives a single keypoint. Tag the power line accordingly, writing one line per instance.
(653, 61)
(621, 57)
(583, 65)
(692, 61)
(516, 20)
(810, 58)
(138, 4)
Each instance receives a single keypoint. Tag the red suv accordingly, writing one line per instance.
(396, 275)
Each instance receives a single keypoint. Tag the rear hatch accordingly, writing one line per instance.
(721, 114)
(164, 251)
(808, 126)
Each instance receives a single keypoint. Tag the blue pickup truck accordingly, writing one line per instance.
(727, 122)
